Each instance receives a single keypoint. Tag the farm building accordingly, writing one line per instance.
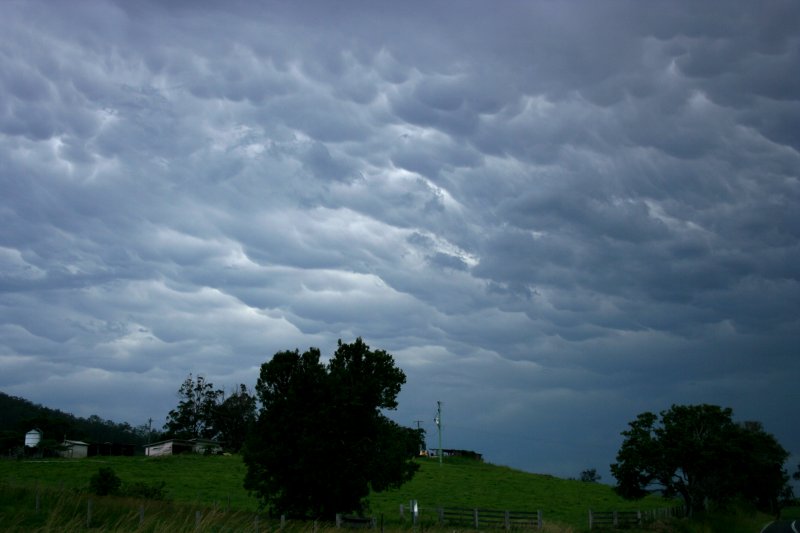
(74, 449)
(111, 448)
(33, 438)
(457, 453)
(176, 446)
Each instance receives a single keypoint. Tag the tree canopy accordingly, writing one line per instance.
(700, 454)
(233, 418)
(204, 412)
(590, 475)
(321, 442)
(194, 415)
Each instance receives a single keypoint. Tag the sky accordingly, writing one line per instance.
(554, 215)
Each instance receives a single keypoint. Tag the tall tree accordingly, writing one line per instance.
(699, 453)
(194, 415)
(234, 417)
(321, 440)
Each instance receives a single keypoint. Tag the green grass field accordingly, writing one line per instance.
(464, 483)
(212, 486)
(189, 478)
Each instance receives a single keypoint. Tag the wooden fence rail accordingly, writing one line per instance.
(623, 519)
(356, 522)
(489, 518)
(614, 519)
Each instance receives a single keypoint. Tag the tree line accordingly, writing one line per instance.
(204, 412)
(18, 416)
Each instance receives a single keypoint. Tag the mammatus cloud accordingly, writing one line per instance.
(555, 216)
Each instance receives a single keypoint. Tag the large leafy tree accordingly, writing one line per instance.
(234, 417)
(700, 454)
(321, 441)
(194, 415)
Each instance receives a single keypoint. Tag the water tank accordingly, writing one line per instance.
(32, 438)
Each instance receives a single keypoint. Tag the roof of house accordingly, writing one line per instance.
(190, 442)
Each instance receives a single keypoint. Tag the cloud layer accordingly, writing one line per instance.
(554, 215)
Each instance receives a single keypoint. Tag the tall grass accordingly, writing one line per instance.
(66, 511)
(27, 509)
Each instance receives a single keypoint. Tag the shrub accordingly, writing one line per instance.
(105, 481)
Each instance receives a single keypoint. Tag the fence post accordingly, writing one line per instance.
(141, 514)
(475, 516)
(255, 523)
(197, 517)
(590, 519)
(440, 512)
(338, 520)
(402, 512)
(539, 519)
(283, 521)
(616, 519)
(507, 520)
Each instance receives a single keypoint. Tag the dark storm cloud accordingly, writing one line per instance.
(555, 215)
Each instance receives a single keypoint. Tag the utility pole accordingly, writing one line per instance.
(438, 421)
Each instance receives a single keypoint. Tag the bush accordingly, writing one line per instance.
(590, 476)
(105, 482)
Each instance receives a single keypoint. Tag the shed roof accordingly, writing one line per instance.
(189, 442)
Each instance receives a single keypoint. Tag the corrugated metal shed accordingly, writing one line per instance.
(74, 449)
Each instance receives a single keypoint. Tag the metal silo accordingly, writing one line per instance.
(33, 437)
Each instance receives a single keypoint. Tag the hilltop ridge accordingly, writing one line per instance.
(18, 415)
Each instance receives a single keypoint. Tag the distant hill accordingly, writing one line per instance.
(18, 416)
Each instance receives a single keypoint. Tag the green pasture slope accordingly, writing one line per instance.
(472, 484)
(189, 478)
(217, 481)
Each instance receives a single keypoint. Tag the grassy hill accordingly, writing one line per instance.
(466, 483)
(216, 481)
